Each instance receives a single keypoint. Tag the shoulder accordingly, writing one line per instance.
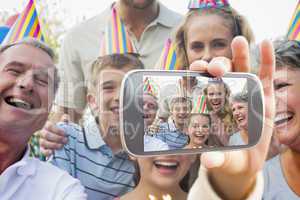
(94, 25)
(53, 175)
(174, 18)
(57, 182)
(71, 129)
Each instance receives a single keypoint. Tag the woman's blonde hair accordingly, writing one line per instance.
(238, 24)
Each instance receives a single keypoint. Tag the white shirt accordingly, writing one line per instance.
(33, 179)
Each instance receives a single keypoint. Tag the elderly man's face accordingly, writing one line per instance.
(26, 89)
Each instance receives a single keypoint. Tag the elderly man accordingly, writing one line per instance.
(28, 82)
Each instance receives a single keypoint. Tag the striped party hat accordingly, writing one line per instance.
(203, 4)
(26, 25)
(168, 57)
(116, 39)
(294, 28)
(200, 105)
(150, 87)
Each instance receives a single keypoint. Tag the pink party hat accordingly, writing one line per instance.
(116, 38)
(294, 28)
(26, 25)
(203, 4)
(169, 58)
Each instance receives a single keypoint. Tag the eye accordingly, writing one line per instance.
(278, 86)
(197, 46)
(41, 79)
(205, 126)
(219, 44)
(13, 71)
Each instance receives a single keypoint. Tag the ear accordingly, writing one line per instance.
(92, 102)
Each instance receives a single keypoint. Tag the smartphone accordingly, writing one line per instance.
(186, 112)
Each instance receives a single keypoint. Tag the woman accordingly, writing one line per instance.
(217, 97)
(163, 176)
(239, 106)
(282, 173)
(207, 33)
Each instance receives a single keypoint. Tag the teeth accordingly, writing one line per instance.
(283, 117)
(19, 103)
(166, 164)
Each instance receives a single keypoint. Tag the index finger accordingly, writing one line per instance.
(240, 54)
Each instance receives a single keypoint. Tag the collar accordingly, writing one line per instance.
(171, 125)
(91, 132)
(166, 17)
(26, 166)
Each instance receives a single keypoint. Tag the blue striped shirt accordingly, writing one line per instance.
(87, 158)
(172, 136)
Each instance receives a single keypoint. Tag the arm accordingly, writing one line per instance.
(233, 174)
(70, 98)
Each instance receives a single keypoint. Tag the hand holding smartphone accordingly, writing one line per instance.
(182, 112)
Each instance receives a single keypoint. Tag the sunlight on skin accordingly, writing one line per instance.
(164, 197)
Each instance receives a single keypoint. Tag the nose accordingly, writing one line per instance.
(26, 83)
(207, 55)
(116, 96)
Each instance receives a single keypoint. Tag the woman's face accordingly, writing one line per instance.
(240, 114)
(199, 129)
(164, 172)
(208, 36)
(216, 95)
(287, 120)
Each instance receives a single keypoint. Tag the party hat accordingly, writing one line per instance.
(150, 87)
(200, 105)
(294, 28)
(203, 4)
(168, 57)
(26, 25)
(116, 38)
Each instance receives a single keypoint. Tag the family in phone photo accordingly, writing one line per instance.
(141, 102)
(199, 112)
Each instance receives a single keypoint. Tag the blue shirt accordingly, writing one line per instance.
(172, 136)
(236, 139)
(87, 158)
(276, 187)
(154, 144)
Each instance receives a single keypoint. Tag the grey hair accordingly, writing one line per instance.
(31, 42)
(40, 45)
(287, 52)
(240, 97)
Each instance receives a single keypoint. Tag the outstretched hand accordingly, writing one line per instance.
(233, 174)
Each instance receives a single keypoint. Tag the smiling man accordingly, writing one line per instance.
(28, 82)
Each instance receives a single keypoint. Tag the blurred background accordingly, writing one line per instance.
(268, 18)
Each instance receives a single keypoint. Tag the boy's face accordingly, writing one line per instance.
(180, 113)
(106, 99)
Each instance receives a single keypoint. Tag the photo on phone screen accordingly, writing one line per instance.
(183, 112)
(186, 112)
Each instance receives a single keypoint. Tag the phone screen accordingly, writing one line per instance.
(194, 112)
